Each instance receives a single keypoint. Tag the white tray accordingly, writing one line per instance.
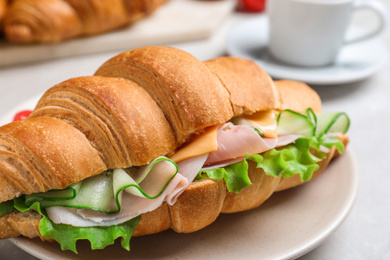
(176, 21)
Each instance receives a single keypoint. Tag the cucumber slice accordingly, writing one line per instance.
(335, 123)
(103, 192)
(52, 195)
(311, 116)
(95, 193)
(291, 122)
(310, 124)
(143, 183)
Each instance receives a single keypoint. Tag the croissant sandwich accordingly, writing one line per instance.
(43, 21)
(156, 140)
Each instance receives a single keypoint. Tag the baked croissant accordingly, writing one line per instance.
(3, 8)
(44, 21)
(139, 105)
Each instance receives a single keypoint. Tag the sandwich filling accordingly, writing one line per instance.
(109, 205)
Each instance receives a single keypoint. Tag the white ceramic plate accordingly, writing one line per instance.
(286, 226)
(355, 61)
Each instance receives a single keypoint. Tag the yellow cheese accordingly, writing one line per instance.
(206, 142)
(201, 144)
(265, 121)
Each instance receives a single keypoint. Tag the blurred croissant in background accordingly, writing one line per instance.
(3, 6)
(48, 21)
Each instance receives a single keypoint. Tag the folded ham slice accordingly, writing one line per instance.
(234, 141)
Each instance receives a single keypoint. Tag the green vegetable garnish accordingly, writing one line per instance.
(6, 207)
(296, 158)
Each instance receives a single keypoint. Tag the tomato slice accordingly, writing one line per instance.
(251, 5)
(22, 115)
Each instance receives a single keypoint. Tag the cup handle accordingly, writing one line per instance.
(381, 10)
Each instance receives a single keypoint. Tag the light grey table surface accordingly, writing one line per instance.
(365, 234)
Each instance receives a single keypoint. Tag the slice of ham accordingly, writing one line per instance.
(188, 168)
(235, 141)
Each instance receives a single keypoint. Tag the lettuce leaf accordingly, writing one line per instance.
(67, 235)
(6, 207)
(99, 237)
(292, 159)
(235, 176)
(296, 158)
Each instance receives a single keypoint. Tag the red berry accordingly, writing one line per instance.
(22, 115)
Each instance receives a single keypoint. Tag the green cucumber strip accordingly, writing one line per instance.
(161, 170)
(311, 116)
(291, 122)
(94, 193)
(53, 195)
(258, 132)
(332, 123)
(103, 192)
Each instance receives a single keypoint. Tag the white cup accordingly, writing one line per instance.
(311, 32)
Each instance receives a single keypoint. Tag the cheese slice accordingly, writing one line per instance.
(265, 121)
(201, 144)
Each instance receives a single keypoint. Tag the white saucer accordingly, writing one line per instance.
(355, 61)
